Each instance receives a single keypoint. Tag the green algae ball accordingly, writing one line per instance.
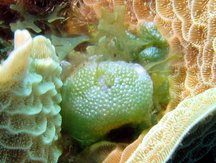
(100, 97)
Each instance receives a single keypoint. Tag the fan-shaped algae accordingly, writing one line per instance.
(29, 101)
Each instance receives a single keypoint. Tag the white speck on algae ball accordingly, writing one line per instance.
(99, 97)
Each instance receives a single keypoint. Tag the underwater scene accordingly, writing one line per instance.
(107, 81)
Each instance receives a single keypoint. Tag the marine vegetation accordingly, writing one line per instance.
(107, 81)
(37, 17)
(100, 97)
(104, 92)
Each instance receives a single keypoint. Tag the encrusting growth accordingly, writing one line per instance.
(29, 101)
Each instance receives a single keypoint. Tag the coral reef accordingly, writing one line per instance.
(100, 97)
(30, 77)
(189, 27)
(29, 101)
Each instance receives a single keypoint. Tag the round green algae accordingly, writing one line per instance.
(100, 97)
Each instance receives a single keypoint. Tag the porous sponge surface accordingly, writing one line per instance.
(30, 122)
(99, 97)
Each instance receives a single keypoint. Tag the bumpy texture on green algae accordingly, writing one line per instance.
(29, 96)
(99, 97)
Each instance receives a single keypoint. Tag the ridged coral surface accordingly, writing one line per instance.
(164, 138)
(192, 31)
(30, 122)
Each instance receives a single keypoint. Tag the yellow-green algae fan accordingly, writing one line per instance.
(189, 131)
(30, 122)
